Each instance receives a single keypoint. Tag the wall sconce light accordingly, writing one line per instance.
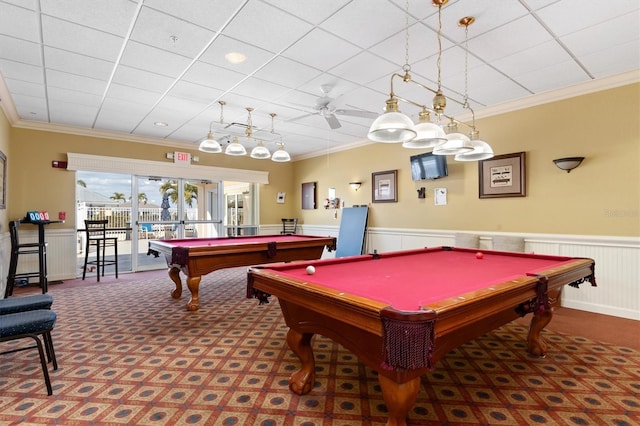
(355, 185)
(568, 163)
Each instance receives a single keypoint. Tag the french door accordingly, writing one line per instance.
(184, 208)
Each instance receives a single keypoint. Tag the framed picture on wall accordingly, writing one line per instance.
(384, 186)
(3, 176)
(502, 176)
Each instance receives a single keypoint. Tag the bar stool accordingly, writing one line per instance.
(17, 248)
(97, 237)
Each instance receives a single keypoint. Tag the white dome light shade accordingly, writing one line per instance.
(235, 148)
(210, 145)
(392, 126)
(481, 151)
(429, 134)
(281, 156)
(457, 143)
(260, 152)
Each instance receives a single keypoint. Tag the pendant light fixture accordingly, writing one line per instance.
(209, 144)
(393, 126)
(281, 156)
(235, 148)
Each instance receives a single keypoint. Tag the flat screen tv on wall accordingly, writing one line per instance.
(428, 166)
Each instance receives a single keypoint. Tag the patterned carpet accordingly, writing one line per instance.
(130, 354)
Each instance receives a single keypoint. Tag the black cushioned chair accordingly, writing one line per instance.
(17, 249)
(96, 231)
(289, 226)
(32, 324)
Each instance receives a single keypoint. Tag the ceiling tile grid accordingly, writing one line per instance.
(123, 65)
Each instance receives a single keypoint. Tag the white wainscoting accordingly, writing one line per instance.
(617, 259)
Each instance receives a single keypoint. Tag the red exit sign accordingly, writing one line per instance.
(181, 157)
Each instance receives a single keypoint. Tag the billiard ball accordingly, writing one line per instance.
(479, 255)
(311, 270)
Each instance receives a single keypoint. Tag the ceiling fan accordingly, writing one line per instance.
(325, 108)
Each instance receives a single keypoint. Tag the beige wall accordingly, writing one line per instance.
(37, 186)
(601, 197)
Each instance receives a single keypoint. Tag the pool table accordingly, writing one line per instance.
(196, 257)
(401, 312)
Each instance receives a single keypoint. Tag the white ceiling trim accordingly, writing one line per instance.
(98, 163)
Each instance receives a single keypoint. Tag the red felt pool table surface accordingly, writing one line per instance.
(411, 280)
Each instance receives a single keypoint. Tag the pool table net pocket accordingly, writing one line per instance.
(408, 339)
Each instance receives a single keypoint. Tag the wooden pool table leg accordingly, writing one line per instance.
(535, 343)
(174, 274)
(399, 398)
(194, 284)
(301, 382)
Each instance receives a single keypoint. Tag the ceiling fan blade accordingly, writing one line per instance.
(333, 121)
(357, 113)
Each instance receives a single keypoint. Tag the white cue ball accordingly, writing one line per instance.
(311, 270)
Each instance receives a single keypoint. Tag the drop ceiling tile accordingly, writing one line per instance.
(132, 94)
(76, 64)
(79, 39)
(614, 60)
(57, 79)
(488, 17)
(366, 22)
(366, 99)
(120, 115)
(27, 4)
(489, 87)
(286, 72)
(423, 42)
(31, 108)
(148, 58)
(313, 12)
(504, 41)
(251, 26)
(111, 16)
(600, 37)
(21, 71)
(182, 108)
(568, 16)
(58, 94)
(552, 76)
(141, 79)
(195, 92)
(19, 23)
(169, 33)
(321, 50)
(541, 56)
(213, 76)
(72, 114)
(17, 50)
(215, 55)
(19, 87)
(210, 14)
(363, 68)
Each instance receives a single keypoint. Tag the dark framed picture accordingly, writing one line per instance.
(503, 176)
(3, 176)
(384, 186)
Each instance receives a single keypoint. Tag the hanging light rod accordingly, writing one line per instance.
(394, 127)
